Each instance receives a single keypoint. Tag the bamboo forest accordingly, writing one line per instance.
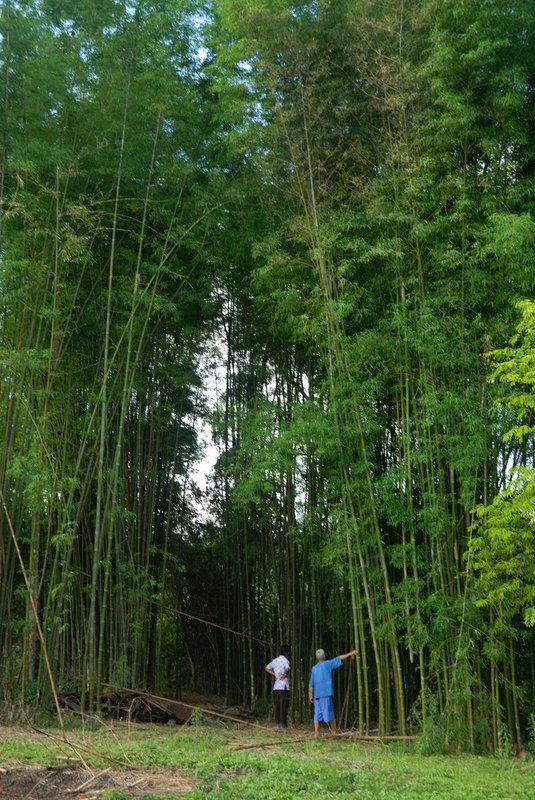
(267, 341)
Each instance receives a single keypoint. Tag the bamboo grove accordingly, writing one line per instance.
(328, 206)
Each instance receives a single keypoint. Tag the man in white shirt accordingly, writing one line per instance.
(280, 669)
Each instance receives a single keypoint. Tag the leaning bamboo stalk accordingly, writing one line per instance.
(77, 747)
(34, 609)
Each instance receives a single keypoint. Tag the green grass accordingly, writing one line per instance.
(325, 769)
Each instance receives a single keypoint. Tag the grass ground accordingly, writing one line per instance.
(192, 763)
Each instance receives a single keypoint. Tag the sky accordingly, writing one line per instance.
(213, 371)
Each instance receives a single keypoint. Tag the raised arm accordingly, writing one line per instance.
(347, 655)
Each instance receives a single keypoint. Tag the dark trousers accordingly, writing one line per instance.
(281, 701)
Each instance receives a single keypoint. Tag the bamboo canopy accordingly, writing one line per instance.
(267, 337)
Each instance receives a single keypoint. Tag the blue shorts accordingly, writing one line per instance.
(323, 709)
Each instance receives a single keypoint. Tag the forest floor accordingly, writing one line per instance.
(202, 761)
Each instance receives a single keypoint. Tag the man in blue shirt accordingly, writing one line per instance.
(320, 689)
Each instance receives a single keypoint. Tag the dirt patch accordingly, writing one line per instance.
(34, 782)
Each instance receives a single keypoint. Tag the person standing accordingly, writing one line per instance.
(280, 669)
(320, 689)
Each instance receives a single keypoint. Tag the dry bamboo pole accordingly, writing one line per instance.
(343, 735)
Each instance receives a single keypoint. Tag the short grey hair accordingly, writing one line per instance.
(320, 655)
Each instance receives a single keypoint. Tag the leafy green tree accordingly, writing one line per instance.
(504, 549)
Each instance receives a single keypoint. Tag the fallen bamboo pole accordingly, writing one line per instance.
(386, 737)
(310, 738)
(65, 741)
(278, 743)
(78, 747)
(90, 780)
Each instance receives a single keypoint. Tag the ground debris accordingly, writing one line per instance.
(36, 782)
(134, 706)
